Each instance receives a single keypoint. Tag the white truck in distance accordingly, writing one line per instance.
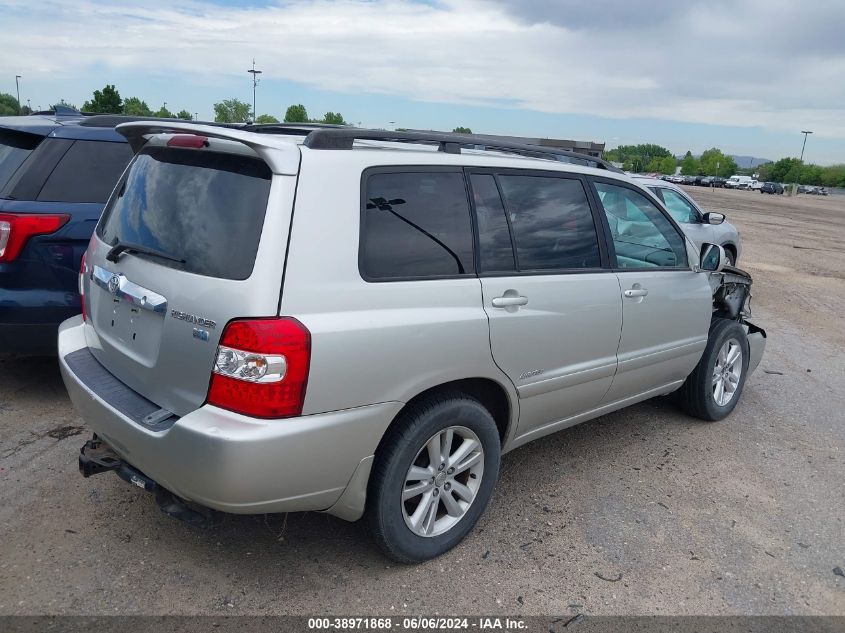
(739, 182)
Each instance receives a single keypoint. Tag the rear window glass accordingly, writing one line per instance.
(416, 224)
(206, 208)
(87, 172)
(15, 147)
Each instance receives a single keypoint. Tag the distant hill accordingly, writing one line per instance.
(745, 162)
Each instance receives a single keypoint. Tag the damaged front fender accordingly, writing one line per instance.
(732, 300)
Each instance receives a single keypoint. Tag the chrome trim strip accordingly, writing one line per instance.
(129, 291)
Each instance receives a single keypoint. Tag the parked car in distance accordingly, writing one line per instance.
(717, 181)
(755, 185)
(464, 303)
(56, 173)
(739, 182)
(771, 187)
(698, 225)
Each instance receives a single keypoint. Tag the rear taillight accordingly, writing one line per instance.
(17, 228)
(261, 367)
(82, 272)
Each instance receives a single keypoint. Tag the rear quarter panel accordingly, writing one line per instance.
(380, 341)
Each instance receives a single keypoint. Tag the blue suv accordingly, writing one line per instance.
(57, 170)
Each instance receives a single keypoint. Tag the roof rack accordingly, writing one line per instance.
(294, 129)
(344, 138)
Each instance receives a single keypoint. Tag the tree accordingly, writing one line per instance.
(184, 114)
(266, 118)
(26, 110)
(107, 101)
(296, 114)
(714, 163)
(136, 107)
(462, 130)
(640, 157)
(785, 166)
(164, 113)
(232, 111)
(8, 105)
(689, 165)
(335, 118)
(668, 164)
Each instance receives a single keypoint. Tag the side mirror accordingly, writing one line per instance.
(713, 258)
(714, 218)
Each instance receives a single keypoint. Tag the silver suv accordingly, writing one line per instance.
(363, 322)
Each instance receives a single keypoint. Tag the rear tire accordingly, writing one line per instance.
(714, 387)
(411, 526)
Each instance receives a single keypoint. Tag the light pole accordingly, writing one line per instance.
(18, 90)
(805, 133)
(255, 81)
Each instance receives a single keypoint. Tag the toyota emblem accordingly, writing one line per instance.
(114, 284)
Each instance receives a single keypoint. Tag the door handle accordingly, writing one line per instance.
(507, 302)
(636, 292)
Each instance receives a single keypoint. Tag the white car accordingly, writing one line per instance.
(698, 225)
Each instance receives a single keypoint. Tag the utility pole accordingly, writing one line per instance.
(255, 81)
(18, 90)
(805, 133)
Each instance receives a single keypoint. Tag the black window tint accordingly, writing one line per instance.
(15, 147)
(204, 207)
(642, 236)
(87, 172)
(416, 224)
(495, 250)
(552, 224)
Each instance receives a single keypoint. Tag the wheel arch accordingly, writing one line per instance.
(490, 393)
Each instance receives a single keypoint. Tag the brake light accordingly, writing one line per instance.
(188, 140)
(16, 229)
(82, 272)
(261, 367)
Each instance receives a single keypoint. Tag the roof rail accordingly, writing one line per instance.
(112, 120)
(344, 138)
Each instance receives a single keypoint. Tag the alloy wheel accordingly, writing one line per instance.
(727, 372)
(442, 481)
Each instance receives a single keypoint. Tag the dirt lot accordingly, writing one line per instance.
(741, 517)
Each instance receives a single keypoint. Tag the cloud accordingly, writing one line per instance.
(753, 63)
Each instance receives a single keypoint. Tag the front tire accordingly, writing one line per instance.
(714, 387)
(433, 477)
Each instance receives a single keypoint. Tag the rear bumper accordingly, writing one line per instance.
(29, 319)
(233, 463)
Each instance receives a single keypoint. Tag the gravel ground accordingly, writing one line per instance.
(644, 511)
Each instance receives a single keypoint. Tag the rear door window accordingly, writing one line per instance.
(15, 148)
(553, 226)
(415, 224)
(206, 208)
(495, 249)
(87, 172)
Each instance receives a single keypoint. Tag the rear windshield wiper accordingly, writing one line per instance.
(127, 247)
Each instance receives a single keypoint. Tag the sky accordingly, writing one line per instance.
(742, 75)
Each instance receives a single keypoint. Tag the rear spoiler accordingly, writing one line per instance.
(281, 154)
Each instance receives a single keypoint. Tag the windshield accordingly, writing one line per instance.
(15, 147)
(203, 209)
